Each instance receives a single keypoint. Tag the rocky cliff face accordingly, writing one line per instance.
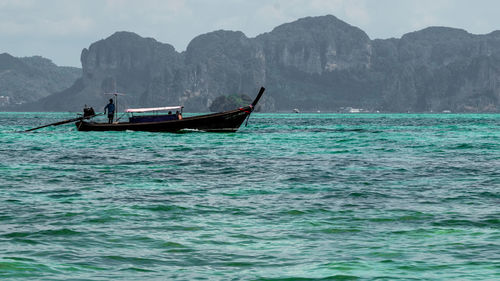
(317, 45)
(439, 69)
(314, 63)
(221, 63)
(318, 63)
(25, 80)
(145, 70)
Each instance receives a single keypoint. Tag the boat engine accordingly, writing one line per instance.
(88, 111)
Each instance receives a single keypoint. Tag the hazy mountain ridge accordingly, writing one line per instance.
(314, 63)
(28, 79)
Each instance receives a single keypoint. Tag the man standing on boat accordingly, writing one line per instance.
(111, 111)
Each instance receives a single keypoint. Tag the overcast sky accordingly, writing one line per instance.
(60, 29)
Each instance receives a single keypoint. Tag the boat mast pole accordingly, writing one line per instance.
(115, 116)
(116, 106)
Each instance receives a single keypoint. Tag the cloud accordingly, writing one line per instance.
(427, 13)
(146, 9)
(16, 4)
(26, 18)
(68, 26)
(272, 13)
(29, 24)
(356, 11)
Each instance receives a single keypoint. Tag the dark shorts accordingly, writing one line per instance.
(111, 115)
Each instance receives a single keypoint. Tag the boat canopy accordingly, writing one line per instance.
(165, 108)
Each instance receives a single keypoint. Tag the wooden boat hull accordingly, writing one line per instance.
(229, 121)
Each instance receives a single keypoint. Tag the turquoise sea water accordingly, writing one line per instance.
(290, 197)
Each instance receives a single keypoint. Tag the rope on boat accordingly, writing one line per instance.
(248, 117)
(121, 116)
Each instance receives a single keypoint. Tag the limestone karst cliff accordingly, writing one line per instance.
(314, 63)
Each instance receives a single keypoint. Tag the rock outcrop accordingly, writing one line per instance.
(225, 103)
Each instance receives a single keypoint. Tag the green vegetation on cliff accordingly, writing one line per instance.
(224, 103)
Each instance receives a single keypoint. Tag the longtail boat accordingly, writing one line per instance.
(227, 121)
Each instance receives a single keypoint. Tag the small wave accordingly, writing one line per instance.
(190, 131)
(184, 148)
(131, 260)
(332, 277)
(294, 212)
(463, 146)
(340, 230)
(19, 259)
(49, 232)
(137, 269)
(172, 245)
(493, 223)
(162, 208)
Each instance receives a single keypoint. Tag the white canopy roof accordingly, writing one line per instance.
(171, 108)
